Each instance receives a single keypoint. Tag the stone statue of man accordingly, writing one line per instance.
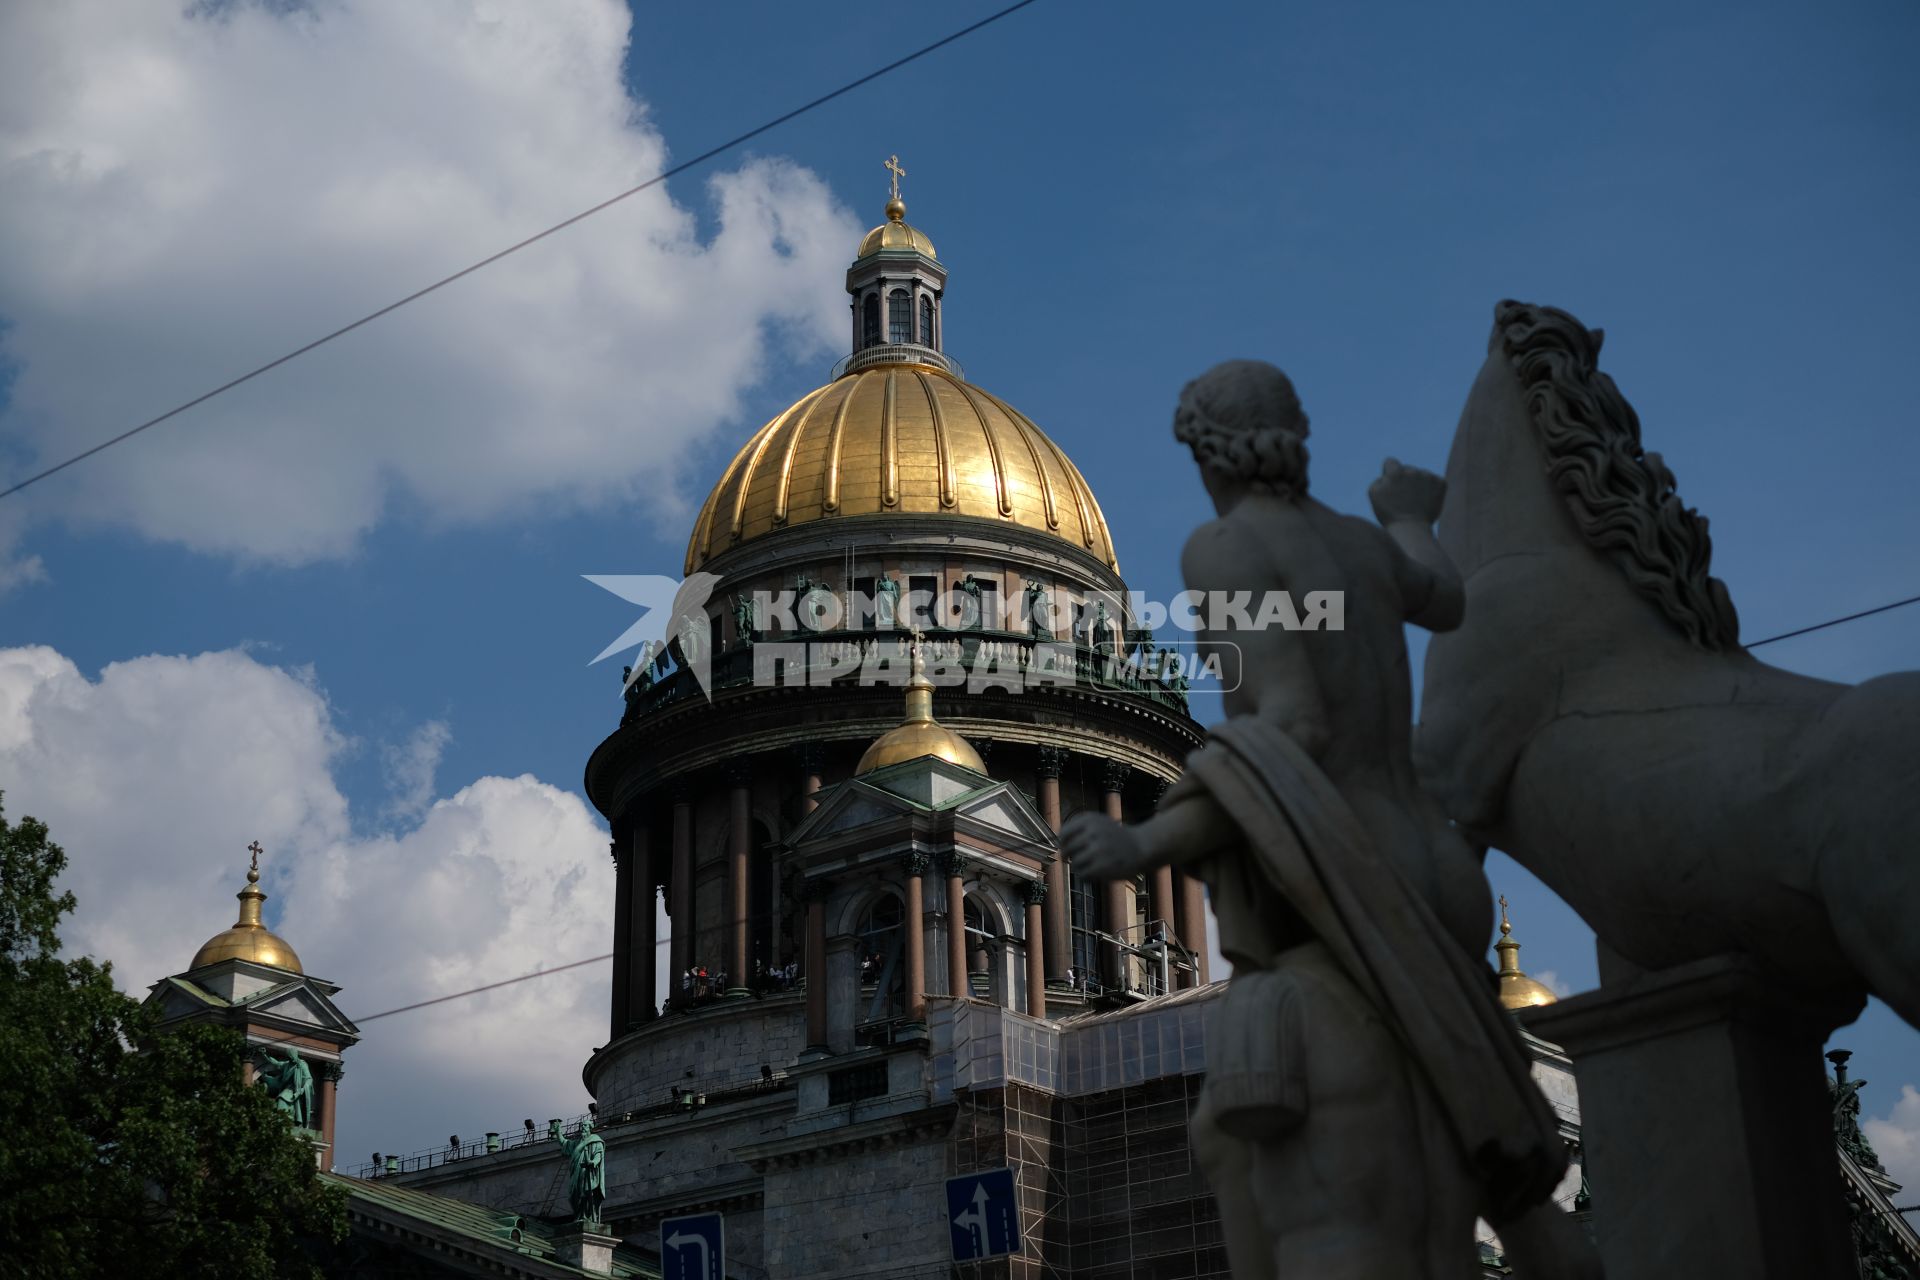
(886, 602)
(1366, 1097)
(586, 1172)
(1039, 610)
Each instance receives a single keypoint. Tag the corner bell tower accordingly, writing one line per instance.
(249, 979)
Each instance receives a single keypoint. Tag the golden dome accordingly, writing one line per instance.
(899, 438)
(895, 233)
(1517, 990)
(919, 734)
(248, 939)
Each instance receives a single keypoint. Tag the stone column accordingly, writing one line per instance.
(843, 991)
(1036, 950)
(1162, 905)
(1705, 1123)
(916, 939)
(812, 759)
(643, 947)
(326, 1092)
(816, 962)
(1191, 901)
(618, 1016)
(1160, 901)
(1059, 909)
(680, 902)
(739, 874)
(1118, 894)
(958, 982)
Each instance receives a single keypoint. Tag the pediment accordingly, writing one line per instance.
(301, 1002)
(1005, 809)
(175, 998)
(848, 807)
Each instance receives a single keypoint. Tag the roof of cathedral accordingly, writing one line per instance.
(919, 735)
(248, 939)
(510, 1234)
(897, 233)
(905, 439)
(1517, 990)
(900, 432)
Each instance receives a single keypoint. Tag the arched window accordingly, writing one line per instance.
(883, 978)
(926, 322)
(870, 322)
(899, 316)
(979, 941)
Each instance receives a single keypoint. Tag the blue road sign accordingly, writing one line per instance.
(693, 1247)
(983, 1216)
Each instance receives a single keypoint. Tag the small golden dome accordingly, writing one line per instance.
(896, 233)
(248, 939)
(1517, 990)
(919, 734)
(899, 439)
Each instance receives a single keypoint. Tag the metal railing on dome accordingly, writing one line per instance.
(839, 656)
(895, 353)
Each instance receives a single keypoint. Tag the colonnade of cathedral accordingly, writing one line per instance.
(718, 926)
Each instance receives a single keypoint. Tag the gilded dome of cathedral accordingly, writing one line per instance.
(1517, 990)
(899, 432)
(899, 438)
(248, 939)
(919, 735)
(896, 233)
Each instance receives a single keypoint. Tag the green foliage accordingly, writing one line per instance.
(124, 1151)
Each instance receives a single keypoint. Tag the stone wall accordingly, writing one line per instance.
(712, 1047)
(880, 1211)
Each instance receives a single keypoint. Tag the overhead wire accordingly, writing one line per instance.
(511, 249)
(1834, 622)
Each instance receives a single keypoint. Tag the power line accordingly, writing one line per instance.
(491, 986)
(674, 171)
(1834, 622)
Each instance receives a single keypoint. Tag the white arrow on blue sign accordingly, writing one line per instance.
(983, 1216)
(693, 1247)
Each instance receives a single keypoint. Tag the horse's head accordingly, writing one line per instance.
(1577, 554)
(1547, 458)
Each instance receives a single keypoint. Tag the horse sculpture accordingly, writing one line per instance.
(1597, 718)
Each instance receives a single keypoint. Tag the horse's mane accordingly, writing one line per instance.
(1622, 499)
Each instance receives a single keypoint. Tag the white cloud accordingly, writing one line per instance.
(188, 190)
(411, 766)
(156, 775)
(1896, 1139)
(1552, 981)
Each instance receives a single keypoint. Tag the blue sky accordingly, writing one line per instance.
(1123, 193)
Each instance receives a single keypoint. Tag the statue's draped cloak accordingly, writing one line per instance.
(1438, 1002)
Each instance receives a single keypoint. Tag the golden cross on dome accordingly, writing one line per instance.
(893, 166)
(1505, 927)
(256, 851)
(917, 656)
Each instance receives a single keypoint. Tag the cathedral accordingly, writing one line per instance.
(843, 778)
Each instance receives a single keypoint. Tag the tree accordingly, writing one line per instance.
(125, 1150)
